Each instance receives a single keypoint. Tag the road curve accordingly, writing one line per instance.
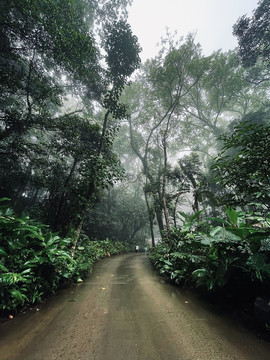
(124, 311)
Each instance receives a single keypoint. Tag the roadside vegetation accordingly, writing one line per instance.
(35, 262)
(233, 255)
(60, 81)
(214, 252)
(228, 256)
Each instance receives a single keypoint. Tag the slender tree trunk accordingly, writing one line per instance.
(91, 186)
(174, 212)
(195, 205)
(164, 201)
(150, 220)
(34, 196)
(63, 194)
(159, 216)
(76, 238)
(109, 209)
(104, 128)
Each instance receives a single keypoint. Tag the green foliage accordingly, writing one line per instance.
(258, 264)
(122, 50)
(253, 35)
(120, 215)
(40, 41)
(88, 251)
(123, 59)
(228, 254)
(51, 159)
(83, 171)
(189, 221)
(243, 166)
(34, 262)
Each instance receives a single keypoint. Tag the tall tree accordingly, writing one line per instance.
(253, 35)
(221, 95)
(254, 44)
(243, 166)
(165, 80)
(121, 214)
(48, 50)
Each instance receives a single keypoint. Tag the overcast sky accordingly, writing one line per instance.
(211, 19)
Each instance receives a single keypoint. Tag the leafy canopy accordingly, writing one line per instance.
(253, 35)
(243, 166)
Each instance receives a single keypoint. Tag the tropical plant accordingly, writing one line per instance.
(34, 262)
(252, 34)
(50, 158)
(234, 255)
(243, 165)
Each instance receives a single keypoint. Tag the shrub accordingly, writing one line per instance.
(34, 262)
(234, 253)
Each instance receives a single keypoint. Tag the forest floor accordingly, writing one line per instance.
(125, 311)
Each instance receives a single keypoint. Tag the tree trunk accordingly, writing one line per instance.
(174, 211)
(164, 201)
(195, 205)
(158, 211)
(150, 220)
(77, 235)
(63, 194)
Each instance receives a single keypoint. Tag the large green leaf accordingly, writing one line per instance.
(18, 296)
(232, 216)
(2, 252)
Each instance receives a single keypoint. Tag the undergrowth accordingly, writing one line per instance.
(35, 262)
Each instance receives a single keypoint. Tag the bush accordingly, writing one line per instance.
(87, 252)
(233, 254)
(34, 262)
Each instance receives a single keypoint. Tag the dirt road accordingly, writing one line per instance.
(124, 311)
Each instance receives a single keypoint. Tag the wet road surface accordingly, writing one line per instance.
(124, 311)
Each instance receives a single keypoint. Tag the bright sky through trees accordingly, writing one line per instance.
(211, 19)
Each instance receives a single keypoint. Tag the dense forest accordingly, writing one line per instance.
(99, 152)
